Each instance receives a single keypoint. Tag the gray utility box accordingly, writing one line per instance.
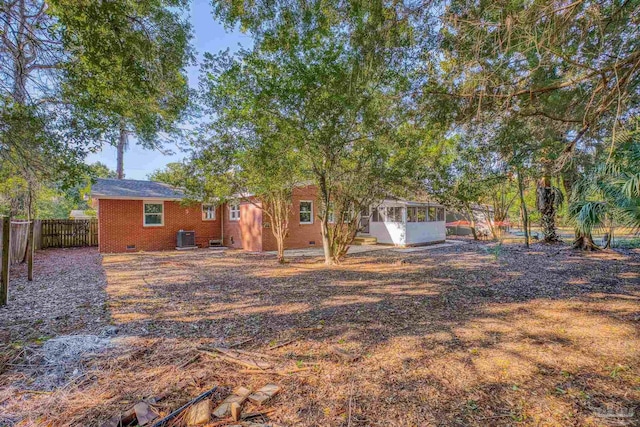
(186, 239)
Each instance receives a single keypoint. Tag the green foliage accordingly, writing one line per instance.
(100, 170)
(610, 193)
(175, 174)
(143, 90)
(50, 199)
(71, 67)
(325, 83)
(572, 67)
(633, 243)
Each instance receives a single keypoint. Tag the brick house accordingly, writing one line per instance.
(146, 216)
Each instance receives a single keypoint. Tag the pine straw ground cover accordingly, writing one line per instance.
(468, 335)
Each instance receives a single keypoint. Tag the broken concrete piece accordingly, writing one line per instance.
(264, 394)
(199, 414)
(238, 396)
(144, 414)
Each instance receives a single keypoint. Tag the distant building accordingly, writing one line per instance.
(459, 223)
(81, 214)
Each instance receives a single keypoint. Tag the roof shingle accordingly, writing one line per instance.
(105, 188)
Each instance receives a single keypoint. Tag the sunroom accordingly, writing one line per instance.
(405, 223)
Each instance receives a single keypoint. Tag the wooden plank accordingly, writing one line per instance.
(37, 235)
(264, 394)
(199, 414)
(67, 233)
(236, 411)
(238, 396)
(4, 277)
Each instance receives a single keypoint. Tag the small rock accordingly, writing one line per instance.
(110, 331)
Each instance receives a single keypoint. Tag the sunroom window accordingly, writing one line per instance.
(432, 214)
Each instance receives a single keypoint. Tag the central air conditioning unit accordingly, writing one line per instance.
(186, 240)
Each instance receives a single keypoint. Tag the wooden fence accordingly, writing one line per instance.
(19, 237)
(50, 233)
(65, 233)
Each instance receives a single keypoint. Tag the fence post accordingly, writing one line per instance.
(30, 249)
(4, 278)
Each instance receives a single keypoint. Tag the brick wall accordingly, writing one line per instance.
(247, 232)
(300, 235)
(121, 224)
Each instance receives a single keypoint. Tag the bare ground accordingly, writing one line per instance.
(458, 336)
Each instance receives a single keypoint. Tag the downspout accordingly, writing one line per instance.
(222, 223)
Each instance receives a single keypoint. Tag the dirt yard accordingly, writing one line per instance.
(468, 335)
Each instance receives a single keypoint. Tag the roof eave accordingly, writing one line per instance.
(103, 197)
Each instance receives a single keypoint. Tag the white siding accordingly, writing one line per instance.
(390, 233)
(425, 232)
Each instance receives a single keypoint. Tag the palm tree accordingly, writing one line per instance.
(610, 194)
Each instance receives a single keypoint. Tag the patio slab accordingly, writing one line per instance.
(365, 248)
(319, 251)
(446, 244)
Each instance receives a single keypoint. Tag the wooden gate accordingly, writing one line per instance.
(68, 233)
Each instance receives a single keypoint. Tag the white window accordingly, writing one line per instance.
(394, 214)
(377, 215)
(306, 212)
(412, 214)
(153, 214)
(234, 212)
(432, 214)
(208, 212)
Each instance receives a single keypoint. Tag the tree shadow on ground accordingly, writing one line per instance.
(452, 337)
(448, 337)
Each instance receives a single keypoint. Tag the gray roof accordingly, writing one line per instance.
(106, 188)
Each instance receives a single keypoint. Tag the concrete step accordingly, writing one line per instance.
(365, 240)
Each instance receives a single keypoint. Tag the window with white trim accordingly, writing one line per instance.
(412, 214)
(208, 212)
(432, 214)
(234, 212)
(306, 212)
(153, 214)
(377, 215)
(394, 214)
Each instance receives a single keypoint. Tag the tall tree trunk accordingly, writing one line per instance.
(326, 243)
(547, 204)
(523, 208)
(122, 145)
(585, 242)
(472, 220)
(280, 222)
(21, 63)
(324, 223)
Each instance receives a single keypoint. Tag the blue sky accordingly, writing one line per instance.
(209, 36)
